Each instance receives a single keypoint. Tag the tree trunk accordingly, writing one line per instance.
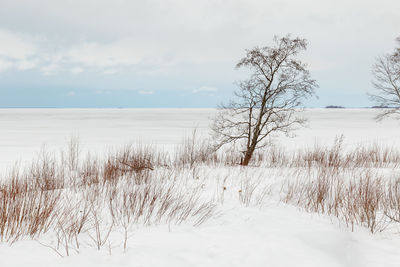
(247, 157)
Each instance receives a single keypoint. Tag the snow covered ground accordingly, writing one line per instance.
(270, 233)
(272, 236)
(23, 132)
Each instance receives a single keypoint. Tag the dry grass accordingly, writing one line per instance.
(71, 199)
(26, 213)
(196, 151)
(336, 156)
(355, 197)
(84, 200)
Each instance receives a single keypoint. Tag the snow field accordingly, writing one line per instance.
(207, 212)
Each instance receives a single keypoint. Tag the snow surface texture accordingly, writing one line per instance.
(269, 234)
(23, 132)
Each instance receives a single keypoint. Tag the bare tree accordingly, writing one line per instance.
(267, 102)
(386, 72)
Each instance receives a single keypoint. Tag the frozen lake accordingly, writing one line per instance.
(23, 132)
(239, 235)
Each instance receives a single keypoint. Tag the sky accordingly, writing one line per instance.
(181, 53)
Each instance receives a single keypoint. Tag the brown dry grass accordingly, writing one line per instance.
(356, 197)
(72, 197)
(69, 199)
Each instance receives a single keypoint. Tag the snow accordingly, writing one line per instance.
(23, 132)
(273, 236)
(269, 234)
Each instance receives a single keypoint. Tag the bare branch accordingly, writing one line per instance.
(386, 73)
(266, 102)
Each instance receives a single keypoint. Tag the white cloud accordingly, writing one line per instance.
(50, 69)
(25, 64)
(16, 51)
(5, 65)
(110, 71)
(208, 89)
(195, 40)
(71, 93)
(101, 55)
(76, 70)
(15, 46)
(143, 92)
(101, 92)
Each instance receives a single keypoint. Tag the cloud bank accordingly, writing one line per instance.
(175, 43)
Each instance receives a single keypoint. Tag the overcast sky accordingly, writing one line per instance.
(180, 53)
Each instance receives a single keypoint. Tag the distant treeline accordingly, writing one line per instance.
(380, 107)
(333, 106)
